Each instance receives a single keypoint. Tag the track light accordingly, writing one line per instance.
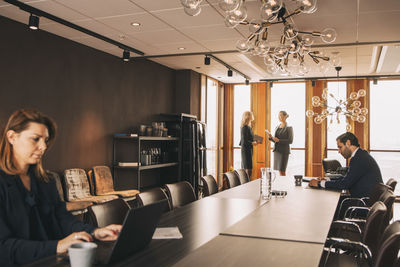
(271, 84)
(125, 55)
(207, 60)
(375, 81)
(312, 83)
(247, 82)
(230, 73)
(33, 22)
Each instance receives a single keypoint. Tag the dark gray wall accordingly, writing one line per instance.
(90, 94)
(188, 92)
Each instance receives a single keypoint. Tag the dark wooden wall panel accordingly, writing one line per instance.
(90, 94)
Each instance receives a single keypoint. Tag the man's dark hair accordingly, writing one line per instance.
(348, 136)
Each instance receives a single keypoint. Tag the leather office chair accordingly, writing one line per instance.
(243, 176)
(392, 183)
(111, 212)
(76, 208)
(385, 255)
(209, 185)
(151, 196)
(330, 165)
(231, 180)
(349, 232)
(180, 194)
(77, 187)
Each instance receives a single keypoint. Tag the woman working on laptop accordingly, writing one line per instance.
(33, 221)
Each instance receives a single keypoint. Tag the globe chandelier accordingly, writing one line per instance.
(350, 108)
(289, 55)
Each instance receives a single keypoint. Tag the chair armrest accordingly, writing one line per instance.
(339, 226)
(356, 212)
(347, 202)
(348, 245)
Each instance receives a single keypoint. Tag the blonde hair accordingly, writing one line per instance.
(247, 118)
(18, 122)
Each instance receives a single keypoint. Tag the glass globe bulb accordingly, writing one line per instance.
(364, 111)
(353, 116)
(361, 118)
(290, 32)
(318, 119)
(239, 15)
(348, 127)
(335, 60)
(281, 51)
(243, 45)
(193, 4)
(271, 69)
(307, 40)
(268, 60)
(362, 93)
(271, 6)
(230, 22)
(266, 17)
(357, 104)
(323, 67)
(328, 35)
(356, 111)
(324, 95)
(294, 47)
(192, 11)
(315, 99)
(307, 6)
(229, 5)
(353, 96)
(255, 26)
(325, 112)
(309, 113)
(303, 70)
(294, 61)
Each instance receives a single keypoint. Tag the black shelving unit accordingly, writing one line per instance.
(128, 149)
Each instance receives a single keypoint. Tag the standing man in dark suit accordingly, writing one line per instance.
(363, 173)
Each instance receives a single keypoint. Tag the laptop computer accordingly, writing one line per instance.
(136, 233)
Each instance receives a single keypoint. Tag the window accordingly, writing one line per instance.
(241, 103)
(384, 127)
(291, 98)
(339, 90)
(212, 126)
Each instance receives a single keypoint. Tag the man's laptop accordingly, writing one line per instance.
(137, 231)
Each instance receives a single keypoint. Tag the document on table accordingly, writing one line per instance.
(167, 233)
(268, 132)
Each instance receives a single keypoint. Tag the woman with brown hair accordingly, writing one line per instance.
(247, 141)
(34, 222)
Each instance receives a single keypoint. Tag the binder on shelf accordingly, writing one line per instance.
(126, 134)
(129, 164)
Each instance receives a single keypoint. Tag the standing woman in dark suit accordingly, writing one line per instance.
(247, 142)
(283, 138)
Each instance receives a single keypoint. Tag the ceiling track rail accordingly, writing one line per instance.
(335, 78)
(49, 16)
(228, 66)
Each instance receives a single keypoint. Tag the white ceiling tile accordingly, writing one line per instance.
(161, 37)
(150, 5)
(101, 8)
(372, 29)
(174, 48)
(14, 13)
(219, 45)
(58, 10)
(61, 30)
(212, 32)
(379, 6)
(123, 23)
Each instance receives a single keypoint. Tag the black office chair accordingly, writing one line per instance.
(330, 165)
(209, 185)
(392, 183)
(151, 196)
(180, 194)
(111, 212)
(243, 176)
(231, 180)
(385, 255)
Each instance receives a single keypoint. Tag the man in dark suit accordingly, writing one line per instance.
(363, 173)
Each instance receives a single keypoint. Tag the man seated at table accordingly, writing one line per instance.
(363, 173)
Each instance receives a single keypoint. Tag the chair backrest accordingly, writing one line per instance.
(57, 179)
(392, 183)
(330, 165)
(243, 176)
(110, 212)
(103, 180)
(388, 247)
(76, 184)
(388, 199)
(151, 196)
(231, 180)
(372, 229)
(377, 191)
(209, 185)
(180, 194)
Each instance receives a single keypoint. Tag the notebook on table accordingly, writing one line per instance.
(136, 233)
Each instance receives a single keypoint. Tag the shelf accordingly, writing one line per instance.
(156, 138)
(155, 166)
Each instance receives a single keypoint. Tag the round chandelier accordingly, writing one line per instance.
(292, 54)
(350, 108)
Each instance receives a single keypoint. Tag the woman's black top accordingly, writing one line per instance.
(246, 140)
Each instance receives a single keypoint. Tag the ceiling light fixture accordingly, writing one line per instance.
(292, 53)
(350, 108)
(247, 82)
(207, 60)
(126, 56)
(33, 22)
(135, 24)
(375, 81)
(230, 73)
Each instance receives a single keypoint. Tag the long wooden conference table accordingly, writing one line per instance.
(236, 228)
